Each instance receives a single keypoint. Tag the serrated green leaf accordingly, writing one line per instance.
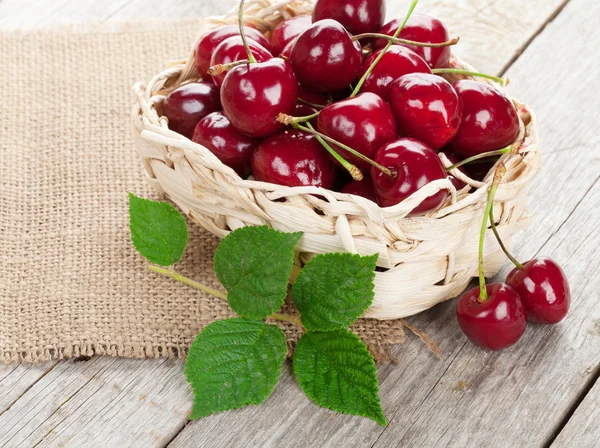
(254, 264)
(233, 363)
(158, 231)
(333, 290)
(336, 370)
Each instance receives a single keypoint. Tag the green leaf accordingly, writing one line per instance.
(158, 230)
(233, 363)
(333, 290)
(254, 264)
(336, 371)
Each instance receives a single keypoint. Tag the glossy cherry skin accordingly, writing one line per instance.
(232, 50)
(458, 184)
(489, 119)
(293, 158)
(324, 57)
(421, 28)
(362, 188)
(253, 95)
(364, 123)
(544, 290)
(413, 165)
(287, 31)
(212, 39)
(427, 108)
(495, 324)
(188, 104)
(233, 148)
(358, 16)
(396, 62)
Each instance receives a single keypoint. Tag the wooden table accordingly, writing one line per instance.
(543, 392)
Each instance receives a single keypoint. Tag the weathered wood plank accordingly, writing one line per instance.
(15, 380)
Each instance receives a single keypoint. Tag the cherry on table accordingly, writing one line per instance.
(293, 158)
(489, 119)
(324, 57)
(358, 16)
(544, 290)
(363, 188)
(287, 31)
(233, 148)
(231, 50)
(495, 324)
(396, 62)
(188, 104)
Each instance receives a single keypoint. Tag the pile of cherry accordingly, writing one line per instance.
(342, 101)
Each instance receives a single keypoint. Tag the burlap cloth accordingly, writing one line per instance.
(71, 283)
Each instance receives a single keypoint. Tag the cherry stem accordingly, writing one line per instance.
(243, 34)
(483, 155)
(440, 71)
(356, 90)
(288, 119)
(498, 175)
(501, 243)
(216, 70)
(318, 106)
(397, 40)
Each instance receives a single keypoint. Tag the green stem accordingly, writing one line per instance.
(243, 34)
(483, 155)
(216, 70)
(294, 120)
(457, 71)
(293, 319)
(315, 105)
(413, 5)
(501, 243)
(397, 40)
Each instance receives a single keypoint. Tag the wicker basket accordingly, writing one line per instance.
(427, 259)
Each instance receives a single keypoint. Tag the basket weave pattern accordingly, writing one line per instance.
(427, 259)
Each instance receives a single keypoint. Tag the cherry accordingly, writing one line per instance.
(233, 148)
(231, 50)
(420, 28)
(489, 119)
(362, 188)
(364, 123)
(212, 39)
(324, 57)
(413, 165)
(315, 98)
(188, 104)
(358, 16)
(253, 95)
(496, 323)
(458, 184)
(293, 158)
(426, 107)
(396, 62)
(287, 31)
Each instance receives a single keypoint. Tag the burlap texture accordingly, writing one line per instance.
(71, 284)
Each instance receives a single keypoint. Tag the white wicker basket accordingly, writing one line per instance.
(427, 259)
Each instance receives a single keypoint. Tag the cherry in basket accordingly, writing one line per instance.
(231, 50)
(287, 31)
(358, 16)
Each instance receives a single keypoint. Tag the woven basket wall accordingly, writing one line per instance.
(427, 259)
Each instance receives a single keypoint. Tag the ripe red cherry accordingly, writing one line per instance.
(364, 123)
(458, 184)
(233, 148)
(293, 158)
(495, 324)
(210, 40)
(253, 95)
(426, 107)
(324, 57)
(287, 31)
(544, 290)
(358, 16)
(188, 104)
(232, 50)
(362, 188)
(489, 119)
(396, 62)
(421, 28)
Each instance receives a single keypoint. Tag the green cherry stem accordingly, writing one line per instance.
(498, 175)
(483, 155)
(397, 40)
(289, 120)
(440, 71)
(317, 106)
(216, 70)
(501, 243)
(362, 80)
(251, 57)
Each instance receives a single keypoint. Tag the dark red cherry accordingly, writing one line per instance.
(210, 40)
(293, 158)
(427, 108)
(232, 50)
(287, 31)
(362, 188)
(358, 16)
(364, 123)
(544, 290)
(233, 148)
(253, 95)
(324, 57)
(489, 119)
(458, 184)
(396, 62)
(495, 324)
(188, 104)
(413, 165)
(421, 28)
